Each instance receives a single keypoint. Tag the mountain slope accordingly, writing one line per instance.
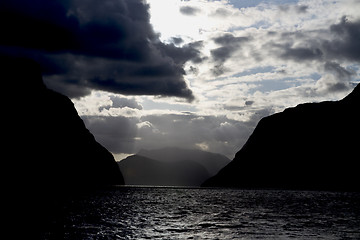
(171, 167)
(48, 155)
(310, 146)
(48, 137)
(139, 170)
(213, 162)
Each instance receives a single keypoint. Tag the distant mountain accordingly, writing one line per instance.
(213, 162)
(310, 146)
(47, 151)
(171, 167)
(139, 170)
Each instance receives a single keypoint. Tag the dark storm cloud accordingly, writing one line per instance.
(189, 11)
(189, 52)
(326, 49)
(346, 42)
(295, 8)
(342, 75)
(229, 39)
(111, 29)
(94, 43)
(30, 20)
(301, 53)
(249, 103)
(177, 40)
(161, 77)
(229, 44)
(340, 43)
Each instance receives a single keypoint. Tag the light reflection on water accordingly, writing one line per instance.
(176, 213)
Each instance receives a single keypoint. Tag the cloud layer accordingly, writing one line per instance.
(252, 61)
(233, 62)
(82, 45)
(131, 134)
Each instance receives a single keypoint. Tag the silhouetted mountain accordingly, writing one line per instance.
(171, 167)
(139, 170)
(213, 162)
(311, 146)
(48, 137)
(48, 151)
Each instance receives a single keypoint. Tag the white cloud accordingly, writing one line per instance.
(278, 60)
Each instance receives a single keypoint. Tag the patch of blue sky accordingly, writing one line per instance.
(259, 25)
(273, 85)
(246, 73)
(270, 85)
(354, 67)
(315, 76)
(254, 3)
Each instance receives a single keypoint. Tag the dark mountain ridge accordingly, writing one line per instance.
(311, 146)
(213, 162)
(171, 166)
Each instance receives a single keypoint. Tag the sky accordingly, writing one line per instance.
(186, 73)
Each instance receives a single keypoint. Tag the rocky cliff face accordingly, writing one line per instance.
(50, 143)
(48, 154)
(311, 146)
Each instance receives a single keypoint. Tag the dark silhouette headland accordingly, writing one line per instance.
(49, 153)
(313, 146)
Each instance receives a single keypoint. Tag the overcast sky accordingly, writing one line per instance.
(193, 74)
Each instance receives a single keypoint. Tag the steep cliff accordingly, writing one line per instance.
(310, 146)
(47, 156)
(50, 143)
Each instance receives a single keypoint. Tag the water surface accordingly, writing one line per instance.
(180, 213)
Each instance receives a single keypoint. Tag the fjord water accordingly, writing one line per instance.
(189, 213)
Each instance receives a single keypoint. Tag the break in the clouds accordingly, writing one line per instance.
(255, 58)
(84, 45)
(185, 130)
(233, 61)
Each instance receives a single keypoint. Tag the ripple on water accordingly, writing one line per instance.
(166, 213)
